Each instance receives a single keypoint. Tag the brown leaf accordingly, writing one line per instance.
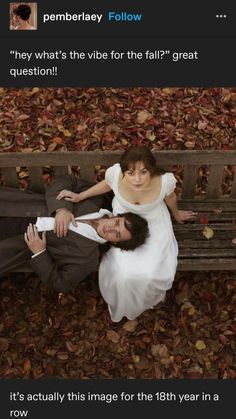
(143, 116)
(130, 325)
(63, 356)
(22, 117)
(4, 344)
(208, 232)
(189, 144)
(113, 336)
(200, 345)
(203, 219)
(217, 210)
(26, 367)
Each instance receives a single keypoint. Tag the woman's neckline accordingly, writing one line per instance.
(138, 204)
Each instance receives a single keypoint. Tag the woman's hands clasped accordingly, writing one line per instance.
(69, 196)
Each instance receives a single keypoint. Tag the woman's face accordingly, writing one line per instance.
(137, 176)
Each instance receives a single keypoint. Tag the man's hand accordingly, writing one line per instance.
(69, 196)
(62, 220)
(33, 241)
(181, 216)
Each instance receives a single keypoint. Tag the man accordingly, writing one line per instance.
(68, 249)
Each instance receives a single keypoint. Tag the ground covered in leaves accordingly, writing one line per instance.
(191, 334)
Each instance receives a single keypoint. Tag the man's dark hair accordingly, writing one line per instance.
(138, 227)
(23, 10)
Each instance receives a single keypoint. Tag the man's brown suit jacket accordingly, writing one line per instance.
(66, 261)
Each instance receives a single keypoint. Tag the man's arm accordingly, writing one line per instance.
(61, 279)
(63, 210)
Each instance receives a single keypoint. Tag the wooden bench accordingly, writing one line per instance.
(215, 201)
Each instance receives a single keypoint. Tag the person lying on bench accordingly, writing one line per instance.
(32, 232)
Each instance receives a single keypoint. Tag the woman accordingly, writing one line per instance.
(132, 282)
(21, 16)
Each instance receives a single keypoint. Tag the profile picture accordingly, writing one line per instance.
(23, 16)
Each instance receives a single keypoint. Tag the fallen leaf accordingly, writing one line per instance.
(217, 210)
(136, 358)
(3, 344)
(203, 219)
(189, 144)
(113, 336)
(26, 368)
(208, 232)
(143, 116)
(200, 345)
(130, 325)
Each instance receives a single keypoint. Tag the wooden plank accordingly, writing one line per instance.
(214, 181)
(60, 170)
(197, 235)
(198, 227)
(189, 182)
(205, 206)
(206, 244)
(218, 264)
(87, 172)
(207, 253)
(106, 158)
(233, 187)
(10, 177)
(36, 179)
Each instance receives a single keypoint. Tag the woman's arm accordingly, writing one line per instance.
(98, 189)
(179, 215)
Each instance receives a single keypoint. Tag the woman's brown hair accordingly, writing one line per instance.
(140, 154)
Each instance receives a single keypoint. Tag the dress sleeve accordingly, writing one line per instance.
(110, 175)
(170, 183)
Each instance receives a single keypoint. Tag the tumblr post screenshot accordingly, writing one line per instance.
(117, 208)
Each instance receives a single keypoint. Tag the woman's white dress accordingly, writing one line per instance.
(134, 281)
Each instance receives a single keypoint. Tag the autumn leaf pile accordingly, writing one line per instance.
(192, 333)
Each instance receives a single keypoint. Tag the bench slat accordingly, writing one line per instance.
(199, 227)
(60, 170)
(204, 206)
(36, 179)
(233, 187)
(87, 172)
(10, 177)
(217, 264)
(207, 244)
(182, 235)
(189, 182)
(214, 181)
(208, 253)
(106, 158)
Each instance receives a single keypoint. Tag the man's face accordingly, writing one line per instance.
(113, 229)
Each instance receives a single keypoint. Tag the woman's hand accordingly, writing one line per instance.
(63, 218)
(33, 240)
(69, 196)
(181, 216)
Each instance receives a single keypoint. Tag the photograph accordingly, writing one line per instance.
(117, 231)
(23, 16)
